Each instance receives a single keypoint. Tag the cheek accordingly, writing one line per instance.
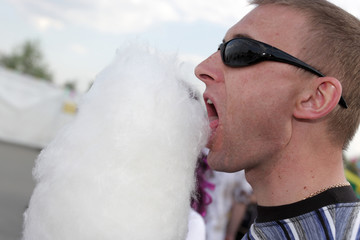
(258, 117)
(261, 104)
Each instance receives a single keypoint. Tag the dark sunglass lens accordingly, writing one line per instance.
(240, 52)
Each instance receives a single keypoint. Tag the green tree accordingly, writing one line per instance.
(28, 59)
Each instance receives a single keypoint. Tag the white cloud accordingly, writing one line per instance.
(79, 49)
(128, 16)
(223, 12)
(45, 23)
(191, 58)
(351, 6)
(132, 16)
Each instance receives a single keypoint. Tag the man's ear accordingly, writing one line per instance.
(319, 99)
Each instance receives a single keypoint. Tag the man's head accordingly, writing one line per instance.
(255, 108)
(332, 44)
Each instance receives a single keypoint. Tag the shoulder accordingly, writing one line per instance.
(341, 221)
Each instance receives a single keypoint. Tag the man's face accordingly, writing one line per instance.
(250, 108)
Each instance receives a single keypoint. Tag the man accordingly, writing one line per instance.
(286, 121)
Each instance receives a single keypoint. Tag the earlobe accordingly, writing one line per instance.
(320, 100)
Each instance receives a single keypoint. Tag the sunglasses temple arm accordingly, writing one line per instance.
(298, 63)
(343, 103)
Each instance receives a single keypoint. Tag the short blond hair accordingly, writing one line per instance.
(332, 41)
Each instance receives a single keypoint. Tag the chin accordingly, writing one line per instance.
(220, 161)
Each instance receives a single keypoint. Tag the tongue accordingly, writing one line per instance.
(214, 123)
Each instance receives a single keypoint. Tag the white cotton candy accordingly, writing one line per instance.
(124, 168)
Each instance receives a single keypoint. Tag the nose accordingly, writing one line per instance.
(209, 70)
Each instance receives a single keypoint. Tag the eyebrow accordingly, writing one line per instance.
(238, 35)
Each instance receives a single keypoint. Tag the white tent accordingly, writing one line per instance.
(31, 110)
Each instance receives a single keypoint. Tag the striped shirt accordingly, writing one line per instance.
(333, 214)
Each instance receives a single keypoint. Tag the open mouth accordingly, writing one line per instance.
(212, 114)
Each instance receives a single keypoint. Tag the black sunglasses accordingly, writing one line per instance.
(241, 52)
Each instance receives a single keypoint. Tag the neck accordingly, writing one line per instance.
(293, 177)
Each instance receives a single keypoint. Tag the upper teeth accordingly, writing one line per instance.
(209, 101)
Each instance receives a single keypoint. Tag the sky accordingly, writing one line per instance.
(79, 38)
